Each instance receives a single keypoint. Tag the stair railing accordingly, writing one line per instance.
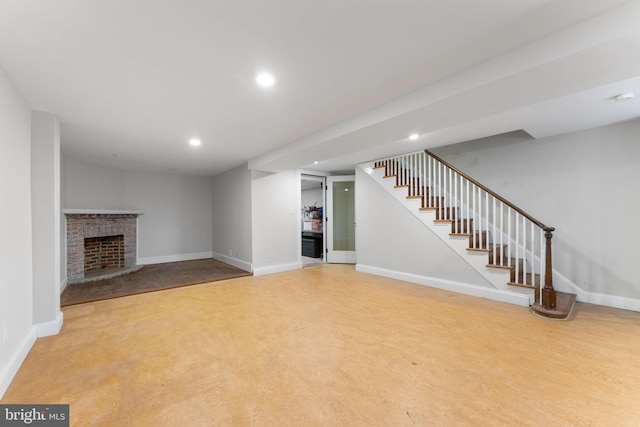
(514, 239)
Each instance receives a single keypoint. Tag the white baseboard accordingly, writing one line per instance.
(236, 262)
(562, 283)
(9, 371)
(610, 300)
(516, 298)
(174, 258)
(46, 329)
(261, 271)
(63, 284)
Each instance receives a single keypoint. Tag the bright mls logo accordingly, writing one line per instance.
(34, 415)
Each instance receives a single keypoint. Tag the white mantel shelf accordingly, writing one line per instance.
(102, 212)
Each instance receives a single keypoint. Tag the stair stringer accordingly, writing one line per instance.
(497, 277)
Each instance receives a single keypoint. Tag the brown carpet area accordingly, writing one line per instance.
(151, 278)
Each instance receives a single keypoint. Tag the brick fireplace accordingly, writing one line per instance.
(103, 252)
(100, 240)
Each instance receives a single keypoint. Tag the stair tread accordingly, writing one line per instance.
(504, 267)
(521, 285)
(489, 247)
(505, 260)
(479, 250)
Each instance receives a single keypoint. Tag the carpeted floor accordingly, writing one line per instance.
(151, 278)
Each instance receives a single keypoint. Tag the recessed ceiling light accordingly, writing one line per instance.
(265, 79)
(195, 142)
(414, 136)
(172, 169)
(315, 163)
(624, 96)
(118, 155)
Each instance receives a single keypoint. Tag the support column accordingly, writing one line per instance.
(46, 208)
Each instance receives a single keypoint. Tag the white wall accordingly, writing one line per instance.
(275, 211)
(232, 217)
(583, 184)
(389, 237)
(176, 224)
(45, 202)
(16, 277)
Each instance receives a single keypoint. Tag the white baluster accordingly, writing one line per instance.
(502, 248)
(495, 235)
(439, 188)
(533, 252)
(525, 244)
(432, 181)
(455, 198)
(517, 223)
(411, 169)
(474, 238)
(479, 214)
(510, 262)
(468, 209)
(432, 177)
(451, 201)
(486, 203)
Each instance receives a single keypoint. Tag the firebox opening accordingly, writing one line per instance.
(103, 252)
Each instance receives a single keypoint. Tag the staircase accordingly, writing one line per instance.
(507, 246)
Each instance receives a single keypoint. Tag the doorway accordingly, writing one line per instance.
(312, 220)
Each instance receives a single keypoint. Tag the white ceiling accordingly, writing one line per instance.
(354, 77)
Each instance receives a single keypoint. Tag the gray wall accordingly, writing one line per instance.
(275, 221)
(16, 279)
(583, 184)
(63, 225)
(178, 209)
(232, 217)
(390, 237)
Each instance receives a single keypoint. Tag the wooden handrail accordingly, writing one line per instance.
(497, 196)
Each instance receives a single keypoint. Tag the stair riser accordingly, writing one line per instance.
(462, 226)
(481, 240)
(525, 281)
(447, 213)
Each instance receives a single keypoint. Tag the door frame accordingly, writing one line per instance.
(333, 256)
(320, 176)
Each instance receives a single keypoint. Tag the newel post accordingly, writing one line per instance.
(548, 293)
